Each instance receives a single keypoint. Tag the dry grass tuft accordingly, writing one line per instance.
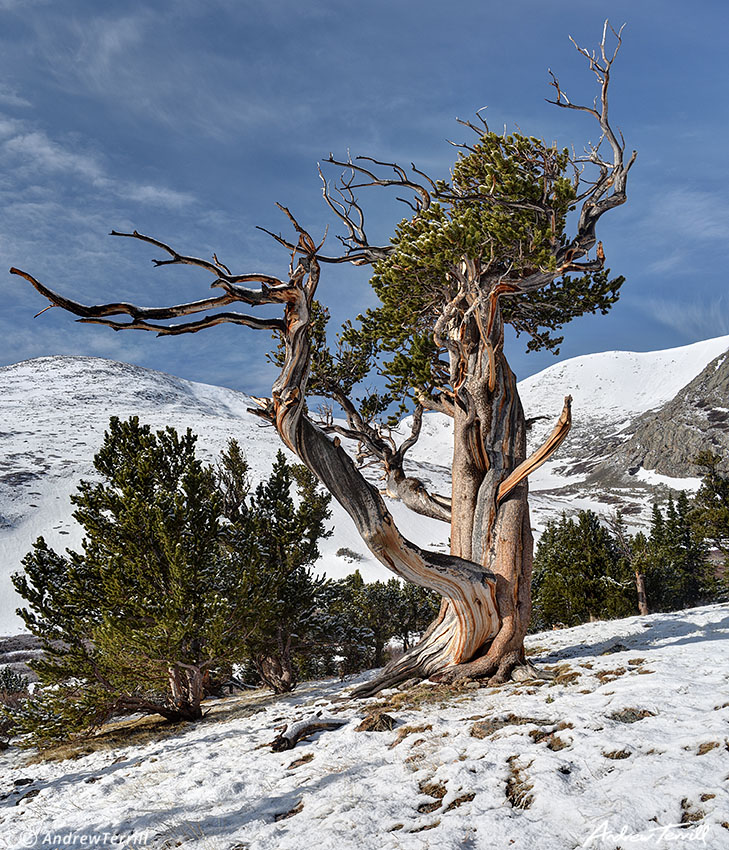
(631, 715)
(459, 801)
(617, 754)
(409, 730)
(606, 676)
(518, 786)
(427, 826)
(689, 814)
(484, 728)
(305, 759)
(418, 696)
(295, 811)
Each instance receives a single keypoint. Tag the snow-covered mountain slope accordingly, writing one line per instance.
(626, 747)
(610, 391)
(53, 412)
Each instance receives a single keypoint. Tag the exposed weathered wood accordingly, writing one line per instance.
(290, 736)
(542, 454)
(640, 588)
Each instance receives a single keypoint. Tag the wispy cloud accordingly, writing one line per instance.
(33, 152)
(693, 214)
(692, 319)
(10, 97)
(11, 5)
(683, 227)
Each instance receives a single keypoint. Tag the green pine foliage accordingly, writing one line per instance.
(181, 576)
(505, 208)
(579, 574)
(383, 611)
(185, 575)
(13, 693)
(295, 623)
(678, 573)
(153, 607)
(710, 510)
(582, 571)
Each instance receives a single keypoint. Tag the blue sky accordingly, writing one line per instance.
(188, 120)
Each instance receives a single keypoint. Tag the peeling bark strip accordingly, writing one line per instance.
(486, 578)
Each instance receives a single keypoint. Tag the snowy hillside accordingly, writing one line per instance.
(626, 746)
(53, 413)
(54, 410)
(609, 392)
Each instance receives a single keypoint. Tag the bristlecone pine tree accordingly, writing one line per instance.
(487, 247)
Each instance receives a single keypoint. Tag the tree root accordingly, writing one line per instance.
(509, 668)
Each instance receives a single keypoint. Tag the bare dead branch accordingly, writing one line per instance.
(542, 454)
(191, 327)
(401, 179)
(78, 309)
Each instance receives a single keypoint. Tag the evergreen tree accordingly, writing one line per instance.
(415, 609)
(579, 574)
(372, 607)
(140, 619)
(13, 692)
(710, 512)
(632, 550)
(679, 574)
(383, 611)
(293, 621)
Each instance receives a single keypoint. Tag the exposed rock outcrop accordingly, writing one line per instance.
(668, 439)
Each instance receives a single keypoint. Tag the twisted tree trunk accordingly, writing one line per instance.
(492, 530)
(485, 581)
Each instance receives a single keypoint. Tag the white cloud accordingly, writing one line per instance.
(692, 214)
(10, 5)
(37, 154)
(10, 97)
(693, 319)
(154, 195)
(43, 154)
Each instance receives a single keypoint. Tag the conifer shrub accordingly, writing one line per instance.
(678, 573)
(579, 574)
(13, 692)
(179, 577)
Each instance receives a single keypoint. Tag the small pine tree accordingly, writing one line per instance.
(382, 611)
(679, 573)
(415, 609)
(13, 692)
(579, 574)
(140, 619)
(710, 510)
(292, 622)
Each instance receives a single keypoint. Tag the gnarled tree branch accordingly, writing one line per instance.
(542, 454)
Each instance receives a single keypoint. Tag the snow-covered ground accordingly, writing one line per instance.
(629, 746)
